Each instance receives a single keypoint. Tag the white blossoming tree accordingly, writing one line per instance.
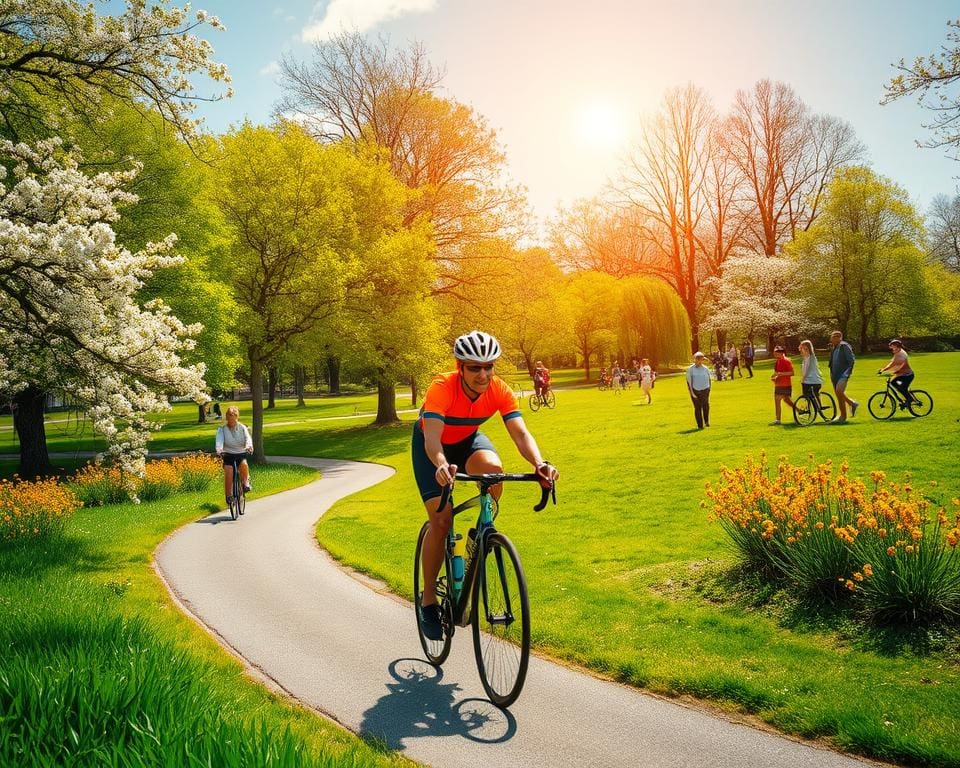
(756, 297)
(69, 320)
(61, 56)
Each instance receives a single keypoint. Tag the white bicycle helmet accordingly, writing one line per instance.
(476, 347)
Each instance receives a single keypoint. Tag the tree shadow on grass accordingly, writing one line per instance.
(831, 611)
(35, 557)
(364, 443)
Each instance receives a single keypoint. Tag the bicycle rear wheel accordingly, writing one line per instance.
(436, 650)
(882, 405)
(921, 404)
(828, 407)
(534, 402)
(501, 621)
(804, 411)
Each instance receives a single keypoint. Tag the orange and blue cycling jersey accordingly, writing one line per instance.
(461, 416)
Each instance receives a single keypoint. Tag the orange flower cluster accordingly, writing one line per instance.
(790, 522)
(31, 509)
(96, 484)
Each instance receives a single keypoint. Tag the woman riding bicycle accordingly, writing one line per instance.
(810, 379)
(446, 437)
(899, 368)
(234, 443)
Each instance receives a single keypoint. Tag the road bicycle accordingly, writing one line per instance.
(546, 400)
(604, 384)
(883, 404)
(482, 583)
(806, 408)
(237, 500)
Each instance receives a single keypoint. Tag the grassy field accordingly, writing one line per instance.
(628, 577)
(99, 668)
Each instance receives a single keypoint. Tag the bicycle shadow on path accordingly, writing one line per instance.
(420, 705)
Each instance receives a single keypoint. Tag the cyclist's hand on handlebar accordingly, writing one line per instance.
(445, 474)
(548, 474)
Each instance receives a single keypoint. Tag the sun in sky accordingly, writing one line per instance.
(600, 124)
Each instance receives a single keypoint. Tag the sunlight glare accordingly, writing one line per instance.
(601, 125)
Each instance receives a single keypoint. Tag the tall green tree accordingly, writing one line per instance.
(291, 247)
(652, 321)
(591, 300)
(862, 260)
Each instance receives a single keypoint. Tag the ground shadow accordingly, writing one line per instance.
(33, 557)
(418, 703)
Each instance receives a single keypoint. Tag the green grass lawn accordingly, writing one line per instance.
(99, 668)
(624, 572)
(627, 576)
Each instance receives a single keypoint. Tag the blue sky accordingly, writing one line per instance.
(537, 69)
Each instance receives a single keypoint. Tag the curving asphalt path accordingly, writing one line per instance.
(267, 591)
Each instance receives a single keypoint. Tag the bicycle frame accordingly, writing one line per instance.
(461, 598)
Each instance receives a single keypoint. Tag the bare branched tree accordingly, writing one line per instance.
(787, 156)
(943, 231)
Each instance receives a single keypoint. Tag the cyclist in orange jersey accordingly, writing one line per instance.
(446, 437)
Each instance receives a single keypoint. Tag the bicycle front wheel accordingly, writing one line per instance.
(534, 402)
(804, 411)
(501, 621)
(882, 405)
(241, 500)
(551, 400)
(828, 407)
(921, 404)
(436, 650)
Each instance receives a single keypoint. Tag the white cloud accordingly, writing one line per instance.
(271, 70)
(359, 15)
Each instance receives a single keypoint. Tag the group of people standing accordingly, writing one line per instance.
(840, 367)
(620, 377)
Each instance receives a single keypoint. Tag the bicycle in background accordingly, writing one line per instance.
(483, 584)
(806, 409)
(883, 404)
(237, 500)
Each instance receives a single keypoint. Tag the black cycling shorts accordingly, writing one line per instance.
(456, 453)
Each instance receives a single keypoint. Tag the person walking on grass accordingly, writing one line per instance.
(645, 374)
(841, 369)
(748, 358)
(782, 379)
(698, 384)
(810, 378)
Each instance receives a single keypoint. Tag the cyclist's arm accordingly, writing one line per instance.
(248, 443)
(432, 430)
(219, 443)
(528, 448)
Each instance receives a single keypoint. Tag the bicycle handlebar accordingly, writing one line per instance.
(500, 477)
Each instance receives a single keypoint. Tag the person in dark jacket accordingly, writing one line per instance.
(841, 369)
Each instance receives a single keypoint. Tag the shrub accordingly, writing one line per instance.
(96, 485)
(197, 470)
(34, 509)
(910, 568)
(160, 480)
(822, 532)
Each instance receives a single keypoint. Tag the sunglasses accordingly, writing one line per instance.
(477, 368)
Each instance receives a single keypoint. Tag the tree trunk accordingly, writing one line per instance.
(28, 421)
(256, 394)
(413, 392)
(300, 382)
(333, 371)
(386, 403)
(202, 415)
(272, 383)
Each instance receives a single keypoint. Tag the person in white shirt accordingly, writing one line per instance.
(646, 378)
(233, 444)
(698, 382)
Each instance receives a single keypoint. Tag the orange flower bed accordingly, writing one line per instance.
(33, 509)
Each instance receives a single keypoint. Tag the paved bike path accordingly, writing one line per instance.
(266, 590)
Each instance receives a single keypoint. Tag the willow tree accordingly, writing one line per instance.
(653, 322)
